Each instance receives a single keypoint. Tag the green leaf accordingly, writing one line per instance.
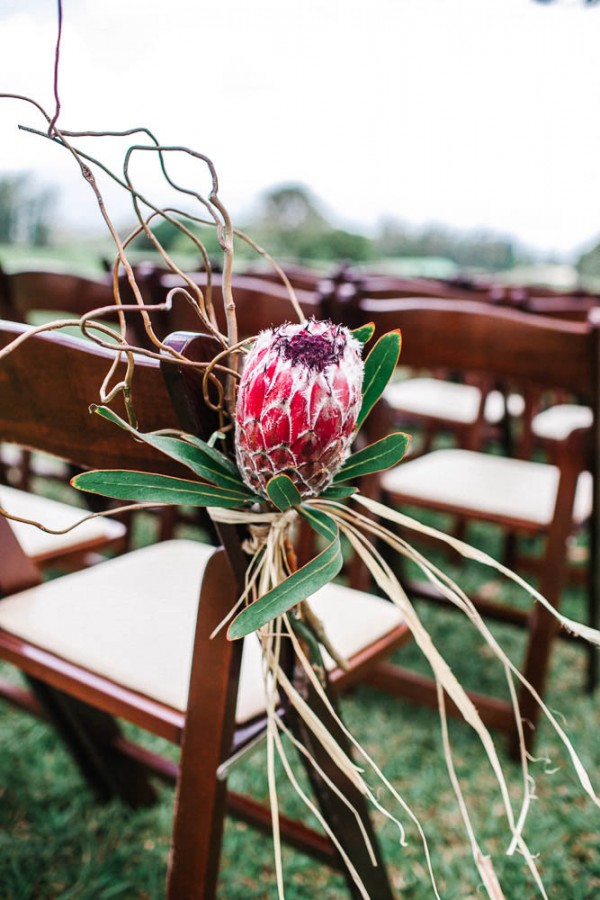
(283, 492)
(195, 454)
(298, 586)
(338, 492)
(320, 521)
(364, 333)
(220, 460)
(307, 635)
(144, 487)
(381, 455)
(379, 368)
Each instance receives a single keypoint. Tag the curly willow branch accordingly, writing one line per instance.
(219, 218)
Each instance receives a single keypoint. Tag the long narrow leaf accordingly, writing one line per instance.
(381, 455)
(298, 586)
(379, 368)
(143, 487)
(196, 455)
(220, 460)
(338, 492)
(320, 522)
(283, 492)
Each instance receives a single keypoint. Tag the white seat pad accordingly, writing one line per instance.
(352, 620)
(132, 620)
(557, 422)
(493, 485)
(436, 398)
(449, 401)
(37, 543)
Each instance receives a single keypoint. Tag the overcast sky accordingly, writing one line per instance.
(473, 113)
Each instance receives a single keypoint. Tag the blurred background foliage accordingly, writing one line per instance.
(295, 227)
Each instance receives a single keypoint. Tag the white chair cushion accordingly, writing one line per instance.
(39, 544)
(132, 620)
(557, 422)
(449, 401)
(434, 397)
(492, 485)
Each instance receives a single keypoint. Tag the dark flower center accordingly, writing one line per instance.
(315, 351)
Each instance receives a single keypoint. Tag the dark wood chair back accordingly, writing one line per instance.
(470, 336)
(301, 277)
(259, 303)
(29, 292)
(47, 386)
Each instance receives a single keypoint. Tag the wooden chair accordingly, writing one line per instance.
(301, 277)
(259, 303)
(522, 496)
(75, 549)
(394, 287)
(551, 417)
(118, 639)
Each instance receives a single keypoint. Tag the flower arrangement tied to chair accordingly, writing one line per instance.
(290, 403)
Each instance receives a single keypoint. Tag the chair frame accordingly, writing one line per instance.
(542, 353)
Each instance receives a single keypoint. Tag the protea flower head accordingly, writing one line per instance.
(298, 401)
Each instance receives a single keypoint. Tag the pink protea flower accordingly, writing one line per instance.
(298, 402)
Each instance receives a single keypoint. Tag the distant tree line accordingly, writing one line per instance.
(588, 264)
(291, 224)
(25, 212)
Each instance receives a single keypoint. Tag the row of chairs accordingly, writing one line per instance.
(504, 347)
(350, 281)
(517, 366)
(471, 410)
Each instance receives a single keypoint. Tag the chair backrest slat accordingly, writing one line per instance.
(476, 337)
(259, 303)
(47, 385)
(28, 292)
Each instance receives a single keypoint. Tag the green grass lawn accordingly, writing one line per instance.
(55, 841)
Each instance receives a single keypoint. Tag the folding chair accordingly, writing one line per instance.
(522, 496)
(128, 638)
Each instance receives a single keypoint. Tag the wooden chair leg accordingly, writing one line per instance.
(543, 629)
(593, 613)
(167, 520)
(200, 801)
(91, 737)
